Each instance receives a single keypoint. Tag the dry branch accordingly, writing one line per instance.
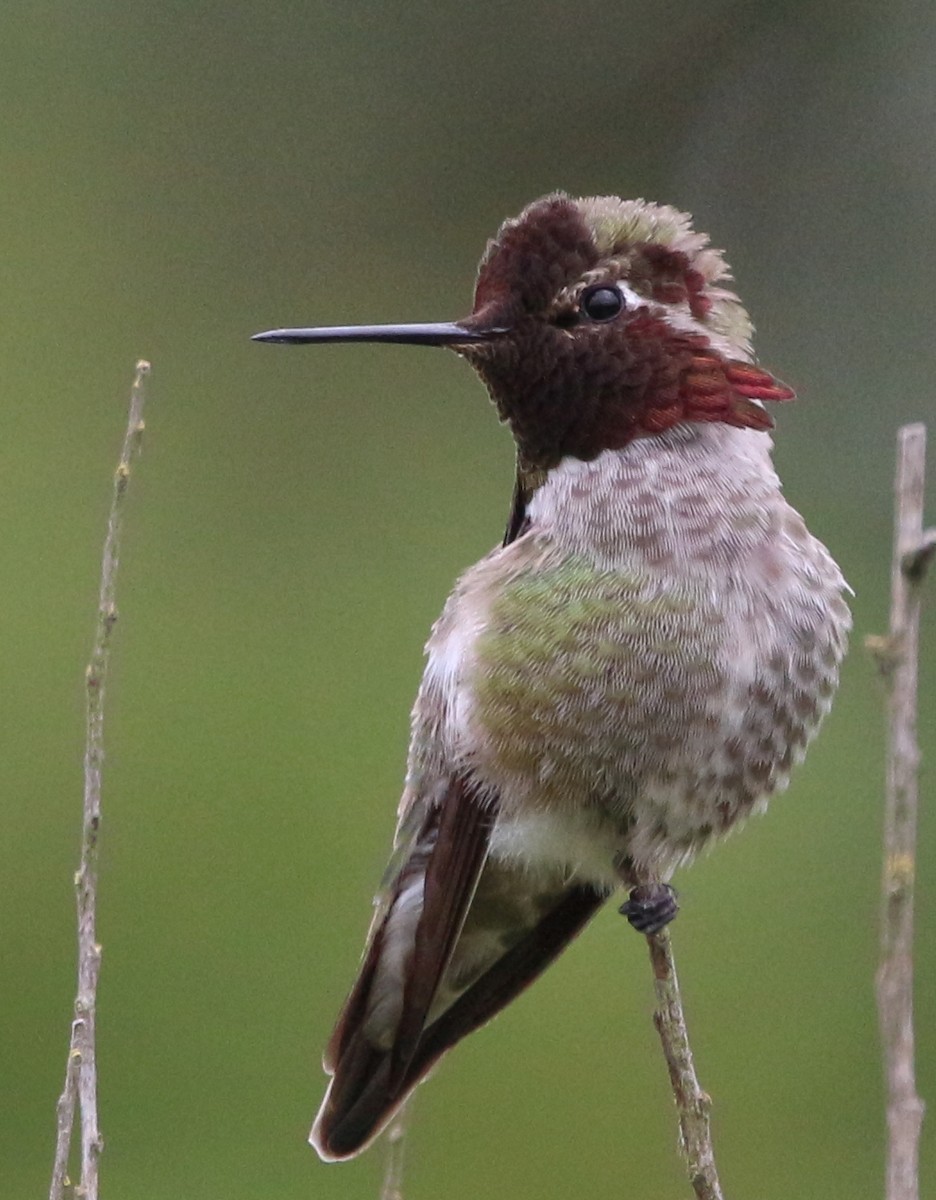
(81, 1069)
(897, 657)
(395, 1140)
(692, 1103)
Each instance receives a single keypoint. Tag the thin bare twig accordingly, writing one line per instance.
(692, 1103)
(81, 1068)
(897, 658)
(395, 1139)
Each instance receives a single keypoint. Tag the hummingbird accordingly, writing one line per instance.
(629, 675)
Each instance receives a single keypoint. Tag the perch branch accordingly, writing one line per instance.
(395, 1138)
(897, 657)
(692, 1103)
(81, 1069)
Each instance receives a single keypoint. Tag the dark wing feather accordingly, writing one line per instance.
(452, 872)
(517, 518)
(527, 480)
(512, 938)
(444, 865)
(414, 829)
(508, 976)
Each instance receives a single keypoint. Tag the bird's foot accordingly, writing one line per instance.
(650, 907)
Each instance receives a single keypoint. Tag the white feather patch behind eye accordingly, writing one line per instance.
(632, 300)
(681, 319)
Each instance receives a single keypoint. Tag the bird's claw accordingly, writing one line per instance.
(650, 907)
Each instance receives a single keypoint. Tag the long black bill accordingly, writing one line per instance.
(441, 333)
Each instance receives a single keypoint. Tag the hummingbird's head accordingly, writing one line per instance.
(618, 325)
(596, 321)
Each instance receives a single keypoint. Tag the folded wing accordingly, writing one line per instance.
(460, 934)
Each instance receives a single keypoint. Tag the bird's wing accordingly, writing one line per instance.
(455, 942)
(528, 479)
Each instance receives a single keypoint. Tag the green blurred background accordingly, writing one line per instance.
(177, 175)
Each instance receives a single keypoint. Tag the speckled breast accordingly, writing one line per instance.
(660, 646)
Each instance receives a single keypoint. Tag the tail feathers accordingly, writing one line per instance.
(371, 1082)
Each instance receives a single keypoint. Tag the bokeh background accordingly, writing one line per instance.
(181, 173)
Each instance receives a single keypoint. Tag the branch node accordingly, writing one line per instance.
(884, 651)
(915, 563)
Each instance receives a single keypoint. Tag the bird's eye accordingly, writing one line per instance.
(601, 303)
